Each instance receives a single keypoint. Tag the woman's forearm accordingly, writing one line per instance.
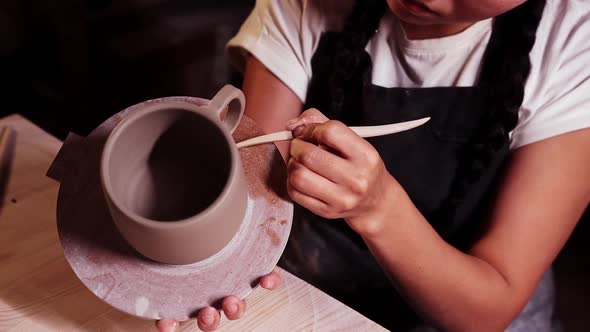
(451, 289)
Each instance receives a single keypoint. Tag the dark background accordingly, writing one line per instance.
(68, 65)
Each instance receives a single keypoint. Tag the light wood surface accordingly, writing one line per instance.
(39, 291)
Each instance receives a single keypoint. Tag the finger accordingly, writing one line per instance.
(337, 136)
(321, 160)
(272, 280)
(302, 179)
(167, 325)
(311, 115)
(233, 307)
(312, 204)
(208, 319)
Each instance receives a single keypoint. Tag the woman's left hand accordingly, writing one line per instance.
(335, 173)
(208, 319)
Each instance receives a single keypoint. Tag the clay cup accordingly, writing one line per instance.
(172, 176)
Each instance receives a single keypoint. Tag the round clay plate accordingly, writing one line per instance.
(121, 277)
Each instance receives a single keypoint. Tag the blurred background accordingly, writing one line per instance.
(68, 65)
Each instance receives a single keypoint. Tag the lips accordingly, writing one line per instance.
(416, 7)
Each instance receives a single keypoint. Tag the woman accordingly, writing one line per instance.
(459, 219)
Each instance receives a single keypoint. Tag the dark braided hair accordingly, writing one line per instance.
(349, 54)
(504, 70)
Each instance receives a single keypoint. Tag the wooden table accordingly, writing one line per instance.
(39, 291)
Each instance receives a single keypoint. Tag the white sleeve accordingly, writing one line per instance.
(557, 98)
(282, 36)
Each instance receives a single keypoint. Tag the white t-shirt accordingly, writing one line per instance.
(284, 34)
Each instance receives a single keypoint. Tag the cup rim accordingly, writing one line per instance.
(142, 110)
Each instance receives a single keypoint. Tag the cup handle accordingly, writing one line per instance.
(235, 101)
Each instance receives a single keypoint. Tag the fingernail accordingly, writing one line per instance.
(232, 308)
(290, 123)
(298, 131)
(208, 317)
(270, 284)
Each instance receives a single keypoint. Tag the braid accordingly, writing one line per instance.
(349, 52)
(505, 69)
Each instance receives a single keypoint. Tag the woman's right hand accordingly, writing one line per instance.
(233, 307)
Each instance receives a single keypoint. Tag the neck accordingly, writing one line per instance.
(415, 31)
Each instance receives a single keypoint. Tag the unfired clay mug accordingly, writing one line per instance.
(173, 179)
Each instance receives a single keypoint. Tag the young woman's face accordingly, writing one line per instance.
(428, 12)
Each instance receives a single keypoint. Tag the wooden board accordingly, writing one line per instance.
(39, 291)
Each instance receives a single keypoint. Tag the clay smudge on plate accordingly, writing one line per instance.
(272, 234)
(256, 160)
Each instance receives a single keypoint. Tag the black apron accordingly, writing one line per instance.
(327, 253)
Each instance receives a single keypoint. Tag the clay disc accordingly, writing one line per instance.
(121, 277)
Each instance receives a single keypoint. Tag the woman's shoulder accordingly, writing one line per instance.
(565, 23)
(566, 14)
(556, 94)
(562, 47)
(284, 34)
(312, 14)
